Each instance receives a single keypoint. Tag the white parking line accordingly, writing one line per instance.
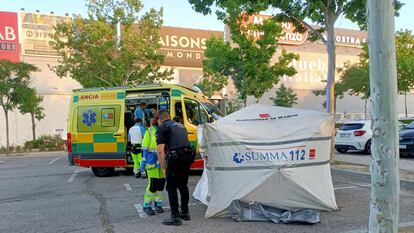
(128, 187)
(353, 186)
(54, 160)
(2, 162)
(140, 211)
(190, 204)
(73, 176)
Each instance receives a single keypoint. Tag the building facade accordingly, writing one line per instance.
(25, 37)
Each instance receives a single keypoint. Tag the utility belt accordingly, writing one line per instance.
(186, 154)
(136, 148)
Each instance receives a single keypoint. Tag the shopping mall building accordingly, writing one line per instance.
(25, 37)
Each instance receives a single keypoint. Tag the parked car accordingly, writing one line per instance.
(407, 140)
(355, 135)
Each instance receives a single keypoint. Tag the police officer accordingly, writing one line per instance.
(175, 156)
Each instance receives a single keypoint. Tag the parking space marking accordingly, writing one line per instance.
(73, 176)
(353, 186)
(140, 211)
(190, 204)
(128, 187)
(54, 160)
(1, 162)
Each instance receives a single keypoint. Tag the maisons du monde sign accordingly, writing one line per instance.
(183, 47)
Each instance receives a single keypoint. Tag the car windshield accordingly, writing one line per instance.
(353, 126)
(410, 126)
(213, 110)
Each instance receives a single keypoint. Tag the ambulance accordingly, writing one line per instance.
(99, 120)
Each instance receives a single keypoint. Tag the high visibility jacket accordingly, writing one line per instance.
(149, 150)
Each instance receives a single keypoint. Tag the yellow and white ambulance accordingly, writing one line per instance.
(99, 120)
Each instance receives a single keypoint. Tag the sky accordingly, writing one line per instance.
(177, 13)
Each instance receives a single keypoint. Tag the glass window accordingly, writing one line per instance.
(213, 110)
(98, 118)
(351, 126)
(195, 113)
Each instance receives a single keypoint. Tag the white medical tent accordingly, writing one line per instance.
(274, 156)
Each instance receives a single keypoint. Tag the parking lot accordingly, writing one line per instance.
(41, 193)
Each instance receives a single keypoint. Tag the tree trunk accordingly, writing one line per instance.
(365, 108)
(330, 88)
(384, 207)
(6, 115)
(33, 126)
(405, 104)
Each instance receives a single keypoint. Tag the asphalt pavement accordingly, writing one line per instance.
(41, 193)
(363, 159)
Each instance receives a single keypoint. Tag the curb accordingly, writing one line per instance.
(32, 153)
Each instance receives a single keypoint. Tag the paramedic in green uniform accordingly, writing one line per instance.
(156, 177)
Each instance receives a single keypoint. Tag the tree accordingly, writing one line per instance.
(323, 13)
(13, 77)
(249, 61)
(355, 77)
(385, 181)
(30, 102)
(405, 63)
(285, 97)
(234, 105)
(91, 53)
(339, 93)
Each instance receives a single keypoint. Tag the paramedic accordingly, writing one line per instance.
(156, 177)
(135, 137)
(175, 156)
(141, 112)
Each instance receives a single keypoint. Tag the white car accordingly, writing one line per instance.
(355, 135)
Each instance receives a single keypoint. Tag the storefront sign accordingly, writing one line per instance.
(289, 37)
(37, 32)
(184, 47)
(9, 36)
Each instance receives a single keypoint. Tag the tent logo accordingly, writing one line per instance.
(264, 115)
(238, 158)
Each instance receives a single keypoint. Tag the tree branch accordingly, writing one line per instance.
(313, 30)
(103, 80)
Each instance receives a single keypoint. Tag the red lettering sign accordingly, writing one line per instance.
(9, 36)
(89, 97)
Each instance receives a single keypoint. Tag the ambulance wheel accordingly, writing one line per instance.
(103, 171)
(129, 170)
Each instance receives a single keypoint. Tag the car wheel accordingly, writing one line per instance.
(368, 147)
(103, 171)
(342, 150)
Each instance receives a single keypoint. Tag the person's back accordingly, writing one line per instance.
(177, 135)
(135, 137)
(175, 156)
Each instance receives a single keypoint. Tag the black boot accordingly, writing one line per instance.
(159, 210)
(148, 210)
(172, 221)
(185, 216)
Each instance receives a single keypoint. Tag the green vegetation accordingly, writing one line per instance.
(91, 53)
(285, 97)
(14, 87)
(247, 60)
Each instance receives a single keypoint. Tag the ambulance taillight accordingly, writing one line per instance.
(69, 142)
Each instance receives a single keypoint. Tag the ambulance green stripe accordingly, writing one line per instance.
(84, 147)
(105, 137)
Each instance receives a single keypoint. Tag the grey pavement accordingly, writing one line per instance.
(43, 194)
(363, 159)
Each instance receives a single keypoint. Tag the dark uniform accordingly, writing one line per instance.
(179, 156)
